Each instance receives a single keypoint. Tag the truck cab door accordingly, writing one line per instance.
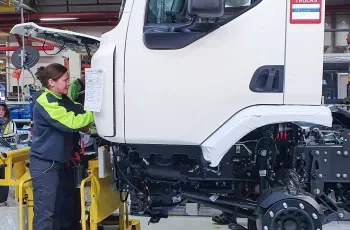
(187, 81)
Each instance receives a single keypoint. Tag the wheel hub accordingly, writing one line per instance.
(290, 225)
(291, 214)
(289, 219)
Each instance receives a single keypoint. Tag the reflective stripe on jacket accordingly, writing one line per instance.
(10, 129)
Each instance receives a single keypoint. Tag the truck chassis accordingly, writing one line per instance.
(280, 176)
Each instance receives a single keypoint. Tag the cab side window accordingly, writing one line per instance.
(169, 26)
(166, 11)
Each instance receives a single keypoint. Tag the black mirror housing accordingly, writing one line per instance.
(206, 8)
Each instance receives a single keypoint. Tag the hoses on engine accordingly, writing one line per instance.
(125, 179)
(263, 157)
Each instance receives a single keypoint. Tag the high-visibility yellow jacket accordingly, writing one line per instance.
(56, 117)
(10, 129)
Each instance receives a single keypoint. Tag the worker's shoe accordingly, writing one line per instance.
(223, 219)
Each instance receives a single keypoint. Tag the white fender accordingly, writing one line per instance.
(219, 143)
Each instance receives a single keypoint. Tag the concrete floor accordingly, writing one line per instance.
(205, 223)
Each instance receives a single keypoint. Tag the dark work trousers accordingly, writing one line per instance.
(47, 179)
(4, 190)
(70, 209)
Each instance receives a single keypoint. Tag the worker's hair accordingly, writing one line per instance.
(53, 71)
(37, 73)
(7, 111)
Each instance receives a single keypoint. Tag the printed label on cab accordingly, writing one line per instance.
(305, 11)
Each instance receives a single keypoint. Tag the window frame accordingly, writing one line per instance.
(163, 40)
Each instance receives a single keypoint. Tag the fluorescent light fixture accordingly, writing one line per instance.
(2, 61)
(3, 34)
(57, 19)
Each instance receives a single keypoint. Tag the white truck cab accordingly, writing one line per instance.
(173, 80)
(186, 82)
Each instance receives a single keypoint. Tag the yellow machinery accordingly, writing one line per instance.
(7, 7)
(104, 200)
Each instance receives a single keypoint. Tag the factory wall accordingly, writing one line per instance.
(336, 41)
(43, 61)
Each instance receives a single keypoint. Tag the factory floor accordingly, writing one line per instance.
(205, 223)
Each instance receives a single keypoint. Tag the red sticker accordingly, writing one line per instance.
(305, 11)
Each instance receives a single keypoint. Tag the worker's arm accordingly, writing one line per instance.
(59, 117)
(73, 90)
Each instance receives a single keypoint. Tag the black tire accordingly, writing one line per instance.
(4, 190)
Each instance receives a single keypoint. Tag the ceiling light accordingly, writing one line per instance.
(4, 34)
(57, 19)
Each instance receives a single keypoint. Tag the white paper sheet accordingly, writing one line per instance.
(93, 89)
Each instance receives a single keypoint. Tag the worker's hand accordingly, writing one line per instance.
(92, 130)
(85, 129)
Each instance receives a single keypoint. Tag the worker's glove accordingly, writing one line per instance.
(92, 130)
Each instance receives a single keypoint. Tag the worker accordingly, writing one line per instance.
(8, 126)
(55, 118)
(76, 90)
(8, 130)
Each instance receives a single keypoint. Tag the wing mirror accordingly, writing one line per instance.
(206, 8)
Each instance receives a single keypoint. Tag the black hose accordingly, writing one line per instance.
(262, 161)
(219, 200)
(241, 213)
(168, 205)
(121, 197)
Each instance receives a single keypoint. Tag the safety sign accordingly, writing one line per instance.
(305, 11)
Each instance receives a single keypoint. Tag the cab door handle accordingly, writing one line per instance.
(268, 79)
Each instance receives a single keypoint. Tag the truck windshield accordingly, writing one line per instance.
(174, 11)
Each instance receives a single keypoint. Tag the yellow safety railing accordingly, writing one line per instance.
(82, 197)
(16, 161)
(104, 199)
(29, 205)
